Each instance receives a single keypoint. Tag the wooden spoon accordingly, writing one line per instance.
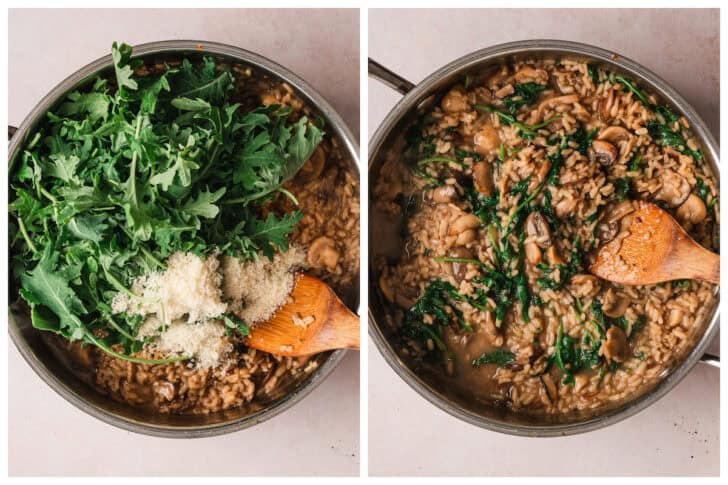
(291, 332)
(656, 249)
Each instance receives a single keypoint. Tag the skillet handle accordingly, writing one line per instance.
(711, 359)
(11, 131)
(384, 75)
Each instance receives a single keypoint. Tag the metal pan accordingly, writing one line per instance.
(384, 236)
(33, 346)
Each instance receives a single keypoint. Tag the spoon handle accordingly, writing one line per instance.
(696, 262)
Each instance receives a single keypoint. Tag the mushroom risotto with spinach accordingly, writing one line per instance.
(507, 187)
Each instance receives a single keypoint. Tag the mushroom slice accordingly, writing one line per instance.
(459, 269)
(506, 90)
(553, 256)
(483, 178)
(313, 168)
(615, 347)
(533, 253)
(551, 103)
(386, 288)
(614, 134)
(537, 227)
(565, 207)
(619, 211)
(487, 140)
(603, 152)
(607, 231)
(675, 189)
(584, 285)
(445, 194)
(322, 252)
(675, 318)
(464, 223)
(617, 308)
(692, 211)
(531, 74)
(606, 105)
(406, 297)
(455, 101)
(550, 386)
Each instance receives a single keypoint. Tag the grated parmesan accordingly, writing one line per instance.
(182, 304)
(189, 287)
(256, 289)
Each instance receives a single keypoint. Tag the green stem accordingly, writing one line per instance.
(98, 343)
(118, 328)
(48, 195)
(21, 225)
(289, 195)
(447, 259)
(151, 256)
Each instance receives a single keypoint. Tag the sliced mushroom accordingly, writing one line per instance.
(550, 386)
(614, 134)
(459, 270)
(692, 211)
(584, 285)
(541, 174)
(603, 152)
(553, 256)
(619, 211)
(487, 140)
(605, 106)
(675, 318)
(322, 252)
(483, 178)
(406, 297)
(466, 237)
(531, 74)
(617, 307)
(565, 207)
(386, 288)
(675, 189)
(506, 90)
(551, 103)
(533, 253)
(537, 227)
(445, 194)
(615, 347)
(455, 101)
(607, 231)
(313, 168)
(463, 223)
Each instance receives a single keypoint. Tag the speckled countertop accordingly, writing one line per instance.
(318, 436)
(679, 435)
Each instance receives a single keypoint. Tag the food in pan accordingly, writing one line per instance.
(507, 187)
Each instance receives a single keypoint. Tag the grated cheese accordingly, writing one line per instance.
(182, 304)
(256, 289)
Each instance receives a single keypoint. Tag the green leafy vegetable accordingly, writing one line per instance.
(524, 94)
(126, 171)
(499, 357)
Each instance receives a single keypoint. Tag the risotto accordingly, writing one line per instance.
(507, 187)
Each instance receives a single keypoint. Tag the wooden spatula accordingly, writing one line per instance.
(315, 321)
(657, 249)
